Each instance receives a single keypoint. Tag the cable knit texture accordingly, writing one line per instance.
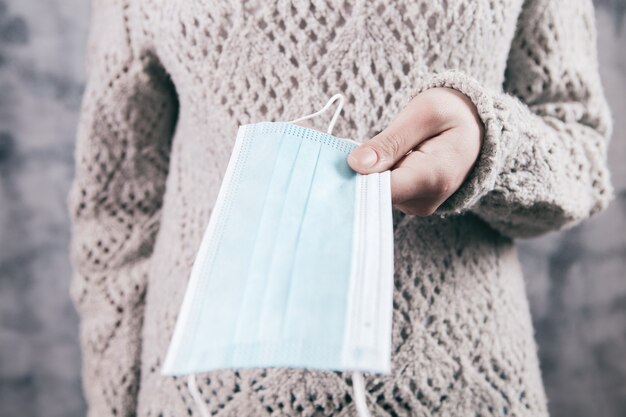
(169, 83)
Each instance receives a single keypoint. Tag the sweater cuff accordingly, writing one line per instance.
(483, 176)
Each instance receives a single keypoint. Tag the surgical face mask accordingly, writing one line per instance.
(295, 268)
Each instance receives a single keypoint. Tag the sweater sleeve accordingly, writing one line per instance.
(122, 151)
(543, 162)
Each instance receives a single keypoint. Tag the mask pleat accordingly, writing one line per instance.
(224, 306)
(270, 209)
(280, 273)
(320, 276)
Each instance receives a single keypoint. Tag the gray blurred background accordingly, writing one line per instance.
(576, 279)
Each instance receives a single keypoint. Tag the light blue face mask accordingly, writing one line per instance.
(295, 268)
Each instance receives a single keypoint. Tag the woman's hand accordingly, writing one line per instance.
(431, 146)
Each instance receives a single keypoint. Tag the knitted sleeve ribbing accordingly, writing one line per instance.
(543, 163)
(122, 152)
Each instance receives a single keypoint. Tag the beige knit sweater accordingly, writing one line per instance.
(171, 80)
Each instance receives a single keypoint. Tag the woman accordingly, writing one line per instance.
(504, 136)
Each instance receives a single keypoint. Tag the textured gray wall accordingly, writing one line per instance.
(576, 279)
(41, 77)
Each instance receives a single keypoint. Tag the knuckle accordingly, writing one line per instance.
(438, 115)
(442, 185)
(425, 210)
(438, 184)
(422, 210)
(437, 109)
(390, 145)
(406, 209)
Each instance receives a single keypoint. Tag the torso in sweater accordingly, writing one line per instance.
(462, 334)
(456, 279)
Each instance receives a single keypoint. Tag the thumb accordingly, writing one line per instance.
(381, 152)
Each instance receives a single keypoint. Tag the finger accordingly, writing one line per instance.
(419, 176)
(436, 169)
(420, 206)
(417, 122)
(432, 171)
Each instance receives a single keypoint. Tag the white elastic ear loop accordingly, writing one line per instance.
(197, 398)
(334, 98)
(358, 387)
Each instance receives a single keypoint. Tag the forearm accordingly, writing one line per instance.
(542, 165)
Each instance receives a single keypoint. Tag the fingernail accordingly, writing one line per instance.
(366, 156)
